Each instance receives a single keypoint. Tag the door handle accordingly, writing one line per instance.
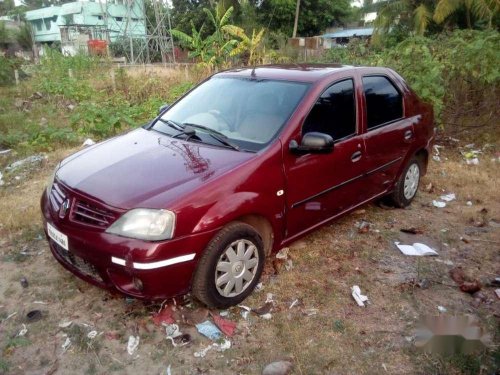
(408, 135)
(356, 156)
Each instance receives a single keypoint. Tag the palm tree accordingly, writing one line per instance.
(480, 9)
(416, 15)
(194, 42)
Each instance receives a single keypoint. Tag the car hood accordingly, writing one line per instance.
(145, 169)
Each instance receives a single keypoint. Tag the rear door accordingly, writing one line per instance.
(320, 186)
(389, 133)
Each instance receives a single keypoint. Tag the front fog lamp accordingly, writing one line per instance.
(145, 224)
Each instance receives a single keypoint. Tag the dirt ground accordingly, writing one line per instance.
(324, 332)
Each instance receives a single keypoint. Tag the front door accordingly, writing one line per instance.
(320, 186)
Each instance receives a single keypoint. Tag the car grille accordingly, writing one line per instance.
(57, 196)
(86, 213)
(80, 264)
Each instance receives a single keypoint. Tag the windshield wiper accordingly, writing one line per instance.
(222, 138)
(172, 124)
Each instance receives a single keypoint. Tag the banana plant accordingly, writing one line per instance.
(246, 44)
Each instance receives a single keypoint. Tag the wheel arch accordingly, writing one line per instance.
(262, 226)
(423, 156)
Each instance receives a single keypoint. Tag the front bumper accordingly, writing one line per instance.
(141, 269)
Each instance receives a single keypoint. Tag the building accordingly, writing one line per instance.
(75, 25)
(343, 37)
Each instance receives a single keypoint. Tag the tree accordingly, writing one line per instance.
(412, 16)
(314, 17)
(479, 9)
(246, 44)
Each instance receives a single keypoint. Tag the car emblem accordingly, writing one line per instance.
(64, 209)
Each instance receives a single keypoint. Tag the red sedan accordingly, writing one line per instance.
(244, 164)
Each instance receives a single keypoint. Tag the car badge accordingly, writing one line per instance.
(64, 209)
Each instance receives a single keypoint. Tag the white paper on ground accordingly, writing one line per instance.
(417, 249)
(358, 297)
(448, 197)
(438, 204)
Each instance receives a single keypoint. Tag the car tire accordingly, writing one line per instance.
(230, 267)
(407, 185)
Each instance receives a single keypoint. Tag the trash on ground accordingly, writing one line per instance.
(466, 284)
(497, 292)
(264, 309)
(465, 238)
(283, 253)
(294, 303)
(438, 204)
(24, 282)
(448, 197)
(358, 297)
(411, 230)
(23, 331)
(133, 344)
(479, 297)
(194, 317)
(65, 324)
(442, 309)
(429, 188)
(34, 316)
(67, 343)
(278, 368)
(164, 316)
(1, 181)
(266, 316)
(469, 203)
(311, 312)
(226, 326)
(495, 282)
(417, 249)
(209, 330)
(92, 335)
(175, 336)
(5, 152)
(363, 226)
(246, 311)
(202, 353)
(258, 287)
(88, 142)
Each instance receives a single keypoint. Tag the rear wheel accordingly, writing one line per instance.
(407, 184)
(230, 267)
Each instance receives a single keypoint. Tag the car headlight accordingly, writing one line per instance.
(51, 179)
(145, 224)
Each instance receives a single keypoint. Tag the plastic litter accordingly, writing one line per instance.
(164, 316)
(23, 331)
(209, 330)
(246, 311)
(448, 197)
(88, 142)
(358, 297)
(294, 303)
(442, 309)
(469, 203)
(283, 253)
(417, 249)
(202, 353)
(194, 317)
(438, 204)
(278, 368)
(67, 343)
(1, 177)
(65, 324)
(133, 344)
(226, 326)
(226, 344)
(92, 335)
(266, 316)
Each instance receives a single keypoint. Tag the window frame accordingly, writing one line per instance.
(398, 89)
(357, 130)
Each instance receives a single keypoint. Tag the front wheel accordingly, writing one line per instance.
(407, 184)
(230, 267)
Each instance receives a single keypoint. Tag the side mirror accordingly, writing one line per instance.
(313, 142)
(163, 108)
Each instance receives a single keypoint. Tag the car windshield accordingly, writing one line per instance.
(248, 113)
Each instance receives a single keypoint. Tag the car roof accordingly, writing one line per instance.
(289, 72)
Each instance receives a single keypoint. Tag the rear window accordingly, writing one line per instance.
(384, 103)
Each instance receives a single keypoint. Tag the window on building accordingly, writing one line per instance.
(119, 19)
(334, 113)
(383, 101)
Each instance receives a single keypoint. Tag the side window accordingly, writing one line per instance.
(383, 101)
(335, 112)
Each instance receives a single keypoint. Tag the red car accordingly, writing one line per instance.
(241, 166)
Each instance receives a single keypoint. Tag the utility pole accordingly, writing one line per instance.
(296, 23)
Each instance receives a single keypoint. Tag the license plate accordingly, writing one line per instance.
(58, 237)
